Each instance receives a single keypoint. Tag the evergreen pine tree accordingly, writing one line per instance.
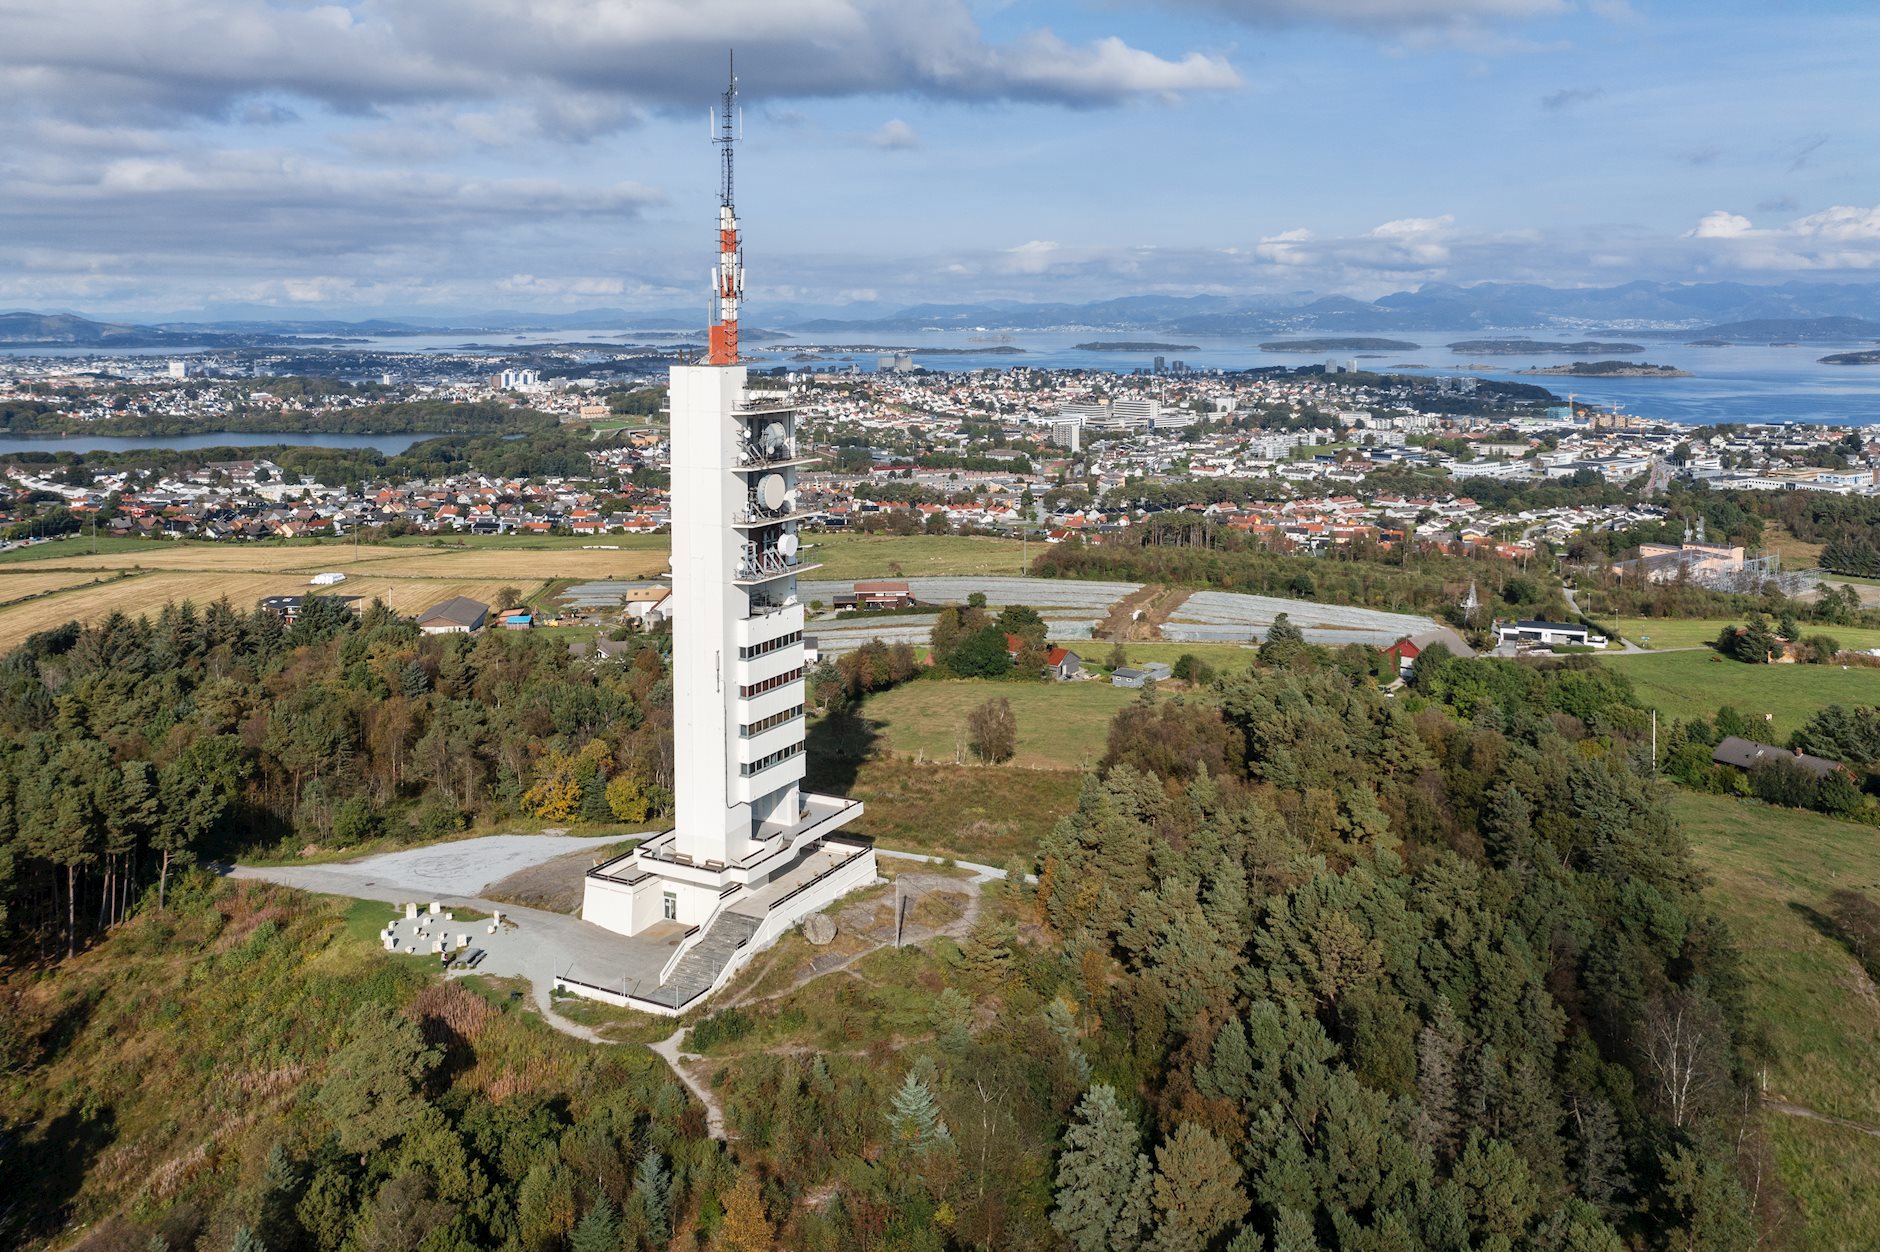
(653, 1185)
(915, 1116)
(1293, 1232)
(599, 1231)
(1095, 1171)
(247, 1240)
(1197, 1190)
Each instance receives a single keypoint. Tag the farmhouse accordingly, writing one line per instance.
(459, 615)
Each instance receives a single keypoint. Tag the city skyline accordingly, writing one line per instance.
(219, 158)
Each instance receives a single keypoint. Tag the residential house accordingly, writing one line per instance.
(1063, 664)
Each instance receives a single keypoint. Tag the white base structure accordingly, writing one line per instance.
(750, 853)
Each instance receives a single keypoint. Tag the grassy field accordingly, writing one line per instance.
(1689, 684)
(1772, 871)
(1060, 725)
(965, 811)
(846, 557)
(1660, 632)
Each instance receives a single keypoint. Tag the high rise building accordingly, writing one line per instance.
(750, 852)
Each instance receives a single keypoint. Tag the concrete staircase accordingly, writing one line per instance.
(699, 968)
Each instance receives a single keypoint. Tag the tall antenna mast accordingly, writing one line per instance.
(728, 275)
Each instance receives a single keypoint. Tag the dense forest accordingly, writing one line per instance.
(1307, 968)
(131, 744)
(1312, 969)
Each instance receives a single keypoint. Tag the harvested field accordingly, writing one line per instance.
(264, 558)
(147, 593)
(32, 582)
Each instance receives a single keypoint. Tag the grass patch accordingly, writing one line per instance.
(1060, 725)
(1772, 869)
(972, 813)
(1809, 1001)
(1692, 684)
(1658, 633)
(1832, 1175)
(845, 556)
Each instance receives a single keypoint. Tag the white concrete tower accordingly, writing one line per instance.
(748, 844)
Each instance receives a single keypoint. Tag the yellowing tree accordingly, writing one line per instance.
(745, 1227)
(556, 793)
(627, 798)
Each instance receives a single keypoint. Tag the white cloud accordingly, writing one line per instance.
(100, 58)
(894, 135)
(1719, 225)
(1844, 238)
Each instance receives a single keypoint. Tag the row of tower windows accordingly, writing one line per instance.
(765, 762)
(763, 724)
(770, 645)
(770, 684)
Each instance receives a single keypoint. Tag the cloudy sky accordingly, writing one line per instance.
(163, 157)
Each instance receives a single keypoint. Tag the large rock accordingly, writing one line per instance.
(819, 928)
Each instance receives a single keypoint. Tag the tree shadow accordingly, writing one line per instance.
(836, 746)
(1837, 932)
(41, 1173)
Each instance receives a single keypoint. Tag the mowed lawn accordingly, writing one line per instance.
(1692, 684)
(846, 556)
(1660, 632)
(1060, 725)
(1772, 873)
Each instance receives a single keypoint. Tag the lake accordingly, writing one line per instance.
(389, 444)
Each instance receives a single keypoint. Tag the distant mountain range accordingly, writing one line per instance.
(1721, 312)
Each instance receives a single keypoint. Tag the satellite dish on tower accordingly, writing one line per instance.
(771, 491)
(776, 437)
(787, 546)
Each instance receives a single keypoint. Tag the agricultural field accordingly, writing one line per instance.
(1772, 873)
(1660, 633)
(149, 592)
(31, 582)
(847, 557)
(1693, 684)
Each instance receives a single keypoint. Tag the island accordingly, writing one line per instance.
(1339, 345)
(1610, 369)
(1869, 357)
(1540, 347)
(1133, 346)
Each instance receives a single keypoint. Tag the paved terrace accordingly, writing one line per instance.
(540, 946)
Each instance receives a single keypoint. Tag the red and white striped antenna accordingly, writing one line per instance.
(728, 274)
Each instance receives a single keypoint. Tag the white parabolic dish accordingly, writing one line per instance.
(771, 490)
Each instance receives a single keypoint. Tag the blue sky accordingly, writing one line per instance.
(448, 155)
